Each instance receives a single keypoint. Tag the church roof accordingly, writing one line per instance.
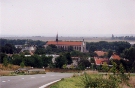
(69, 43)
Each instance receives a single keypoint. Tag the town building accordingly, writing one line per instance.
(100, 61)
(100, 53)
(26, 47)
(76, 45)
(115, 57)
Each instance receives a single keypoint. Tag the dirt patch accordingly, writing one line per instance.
(132, 81)
(9, 67)
(5, 73)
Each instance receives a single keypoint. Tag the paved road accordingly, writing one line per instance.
(31, 81)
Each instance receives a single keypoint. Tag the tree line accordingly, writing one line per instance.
(105, 46)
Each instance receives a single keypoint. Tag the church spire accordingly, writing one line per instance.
(57, 37)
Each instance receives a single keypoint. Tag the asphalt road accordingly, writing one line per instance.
(31, 81)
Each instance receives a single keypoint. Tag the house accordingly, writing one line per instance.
(115, 57)
(100, 61)
(100, 53)
(76, 45)
(30, 48)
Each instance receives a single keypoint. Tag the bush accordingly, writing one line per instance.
(98, 82)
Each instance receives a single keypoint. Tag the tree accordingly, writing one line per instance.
(46, 60)
(114, 68)
(122, 70)
(5, 62)
(130, 54)
(60, 61)
(40, 50)
(105, 67)
(37, 61)
(83, 63)
(68, 57)
(17, 59)
(92, 48)
(2, 55)
(22, 64)
(110, 53)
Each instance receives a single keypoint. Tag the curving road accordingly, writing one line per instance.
(31, 81)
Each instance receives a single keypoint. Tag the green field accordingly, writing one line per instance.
(95, 81)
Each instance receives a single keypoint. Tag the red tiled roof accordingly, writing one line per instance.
(99, 61)
(100, 53)
(64, 43)
(115, 57)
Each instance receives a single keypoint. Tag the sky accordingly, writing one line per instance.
(66, 17)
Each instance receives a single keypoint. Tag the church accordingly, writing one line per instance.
(77, 45)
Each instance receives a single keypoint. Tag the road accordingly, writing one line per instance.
(31, 81)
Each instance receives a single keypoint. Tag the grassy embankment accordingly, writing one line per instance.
(94, 81)
(10, 70)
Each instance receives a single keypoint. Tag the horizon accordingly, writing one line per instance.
(94, 35)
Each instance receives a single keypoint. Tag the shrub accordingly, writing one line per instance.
(98, 82)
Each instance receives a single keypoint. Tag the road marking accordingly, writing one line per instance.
(42, 76)
(49, 83)
(8, 80)
(3, 81)
(22, 78)
(52, 75)
(32, 77)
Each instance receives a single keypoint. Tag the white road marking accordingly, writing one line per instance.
(8, 80)
(3, 81)
(42, 76)
(22, 78)
(32, 77)
(49, 83)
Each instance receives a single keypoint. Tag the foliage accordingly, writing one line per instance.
(21, 42)
(98, 82)
(60, 61)
(105, 67)
(103, 45)
(130, 54)
(64, 66)
(83, 63)
(34, 60)
(68, 57)
(22, 64)
(2, 55)
(40, 50)
(7, 48)
(91, 81)
(110, 53)
(47, 61)
(114, 68)
(5, 62)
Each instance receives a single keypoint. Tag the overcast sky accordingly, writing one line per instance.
(67, 17)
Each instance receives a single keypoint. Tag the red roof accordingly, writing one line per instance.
(115, 57)
(99, 61)
(100, 53)
(70, 43)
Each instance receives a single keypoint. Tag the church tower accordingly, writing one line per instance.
(57, 37)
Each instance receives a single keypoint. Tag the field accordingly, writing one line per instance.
(78, 81)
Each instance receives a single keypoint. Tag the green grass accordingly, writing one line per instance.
(94, 81)
(73, 82)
